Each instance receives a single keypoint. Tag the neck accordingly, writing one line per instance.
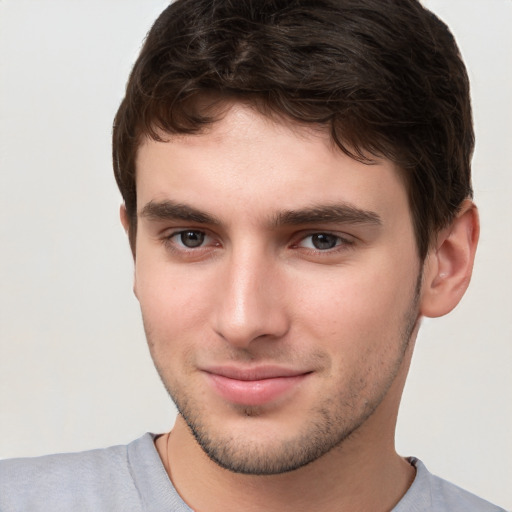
(348, 478)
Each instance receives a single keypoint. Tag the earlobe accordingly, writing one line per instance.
(449, 264)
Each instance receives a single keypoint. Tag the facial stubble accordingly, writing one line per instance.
(327, 429)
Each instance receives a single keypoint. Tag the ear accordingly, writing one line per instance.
(449, 264)
(128, 228)
(123, 215)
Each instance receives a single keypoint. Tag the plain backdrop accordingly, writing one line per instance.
(74, 367)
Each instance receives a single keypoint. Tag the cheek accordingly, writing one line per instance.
(357, 308)
(174, 306)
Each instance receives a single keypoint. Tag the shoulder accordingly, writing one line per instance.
(92, 480)
(431, 493)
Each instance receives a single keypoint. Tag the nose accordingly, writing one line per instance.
(251, 303)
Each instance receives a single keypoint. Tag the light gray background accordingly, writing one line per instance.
(74, 369)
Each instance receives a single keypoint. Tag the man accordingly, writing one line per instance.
(296, 184)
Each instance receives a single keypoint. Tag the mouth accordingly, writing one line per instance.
(254, 386)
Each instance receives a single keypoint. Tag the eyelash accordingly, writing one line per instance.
(170, 243)
(342, 243)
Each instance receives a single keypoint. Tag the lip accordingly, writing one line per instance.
(254, 386)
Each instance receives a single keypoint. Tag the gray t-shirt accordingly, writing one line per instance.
(132, 478)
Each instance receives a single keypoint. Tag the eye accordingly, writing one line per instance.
(190, 238)
(322, 241)
(190, 245)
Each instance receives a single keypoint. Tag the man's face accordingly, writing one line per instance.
(278, 282)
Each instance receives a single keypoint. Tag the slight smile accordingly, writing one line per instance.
(254, 386)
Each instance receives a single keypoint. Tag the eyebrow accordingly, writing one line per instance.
(170, 210)
(336, 213)
(331, 214)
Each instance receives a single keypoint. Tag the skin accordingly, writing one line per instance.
(302, 261)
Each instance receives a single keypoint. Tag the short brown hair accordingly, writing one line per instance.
(385, 77)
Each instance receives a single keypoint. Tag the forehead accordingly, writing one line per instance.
(247, 161)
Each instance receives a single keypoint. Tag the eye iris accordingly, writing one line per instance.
(324, 241)
(192, 238)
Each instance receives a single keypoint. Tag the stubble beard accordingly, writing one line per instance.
(334, 421)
